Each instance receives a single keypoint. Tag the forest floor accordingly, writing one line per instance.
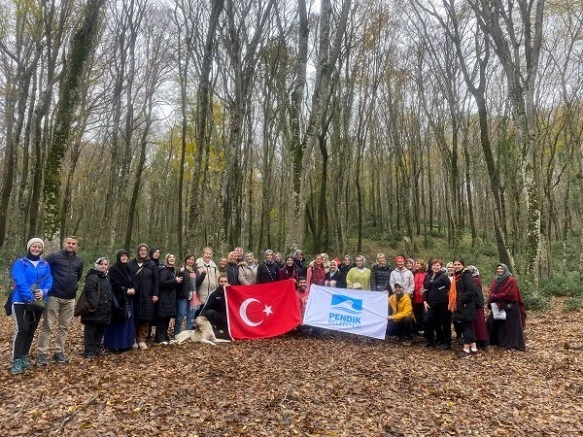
(334, 385)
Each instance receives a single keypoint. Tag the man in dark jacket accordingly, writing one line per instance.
(233, 269)
(215, 308)
(66, 268)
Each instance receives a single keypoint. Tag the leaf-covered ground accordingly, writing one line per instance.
(334, 385)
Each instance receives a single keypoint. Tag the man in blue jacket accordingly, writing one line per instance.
(66, 268)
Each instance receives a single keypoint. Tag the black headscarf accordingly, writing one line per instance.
(120, 273)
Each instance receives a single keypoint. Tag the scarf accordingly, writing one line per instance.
(501, 278)
(452, 304)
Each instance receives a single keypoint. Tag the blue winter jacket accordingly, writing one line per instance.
(24, 274)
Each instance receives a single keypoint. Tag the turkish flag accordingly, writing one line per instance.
(262, 310)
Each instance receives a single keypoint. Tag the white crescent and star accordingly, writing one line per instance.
(243, 312)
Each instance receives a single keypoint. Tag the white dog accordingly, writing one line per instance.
(202, 334)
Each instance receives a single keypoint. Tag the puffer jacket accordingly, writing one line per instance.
(466, 290)
(380, 277)
(99, 296)
(210, 281)
(66, 268)
(168, 289)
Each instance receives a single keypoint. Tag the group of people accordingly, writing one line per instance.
(137, 298)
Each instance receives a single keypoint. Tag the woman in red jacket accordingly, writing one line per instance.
(506, 331)
(419, 274)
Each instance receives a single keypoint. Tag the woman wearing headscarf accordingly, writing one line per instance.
(145, 278)
(505, 294)
(334, 277)
(32, 280)
(479, 326)
(169, 284)
(359, 277)
(462, 303)
(99, 296)
(346, 265)
(120, 334)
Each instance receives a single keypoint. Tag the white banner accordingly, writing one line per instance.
(355, 311)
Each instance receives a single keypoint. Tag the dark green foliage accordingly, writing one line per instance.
(573, 303)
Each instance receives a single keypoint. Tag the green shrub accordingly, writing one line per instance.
(535, 302)
(561, 285)
(573, 303)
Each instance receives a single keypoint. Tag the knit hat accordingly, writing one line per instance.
(35, 240)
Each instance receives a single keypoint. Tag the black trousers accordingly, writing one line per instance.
(437, 324)
(217, 319)
(402, 328)
(419, 312)
(162, 329)
(93, 336)
(468, 332)
(26, 324)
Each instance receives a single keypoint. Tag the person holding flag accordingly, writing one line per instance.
(401, 318)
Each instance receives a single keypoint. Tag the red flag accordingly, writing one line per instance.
(262, 310)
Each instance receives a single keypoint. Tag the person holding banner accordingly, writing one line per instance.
(401, 318)
(359, 277)
(334, 277)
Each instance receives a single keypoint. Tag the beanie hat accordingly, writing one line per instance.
(33, 241)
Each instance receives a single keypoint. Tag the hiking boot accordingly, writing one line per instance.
(60, 358)
(16, 367)
(25, 362)
(464, 355)
(42, 360)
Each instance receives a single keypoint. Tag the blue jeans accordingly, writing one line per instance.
(182, 311)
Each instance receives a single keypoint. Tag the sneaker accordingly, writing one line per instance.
(16, 367)
(42, 360)
(142, 345)
(135, 346)
(60, 358)
(407, 342)
(464, 355)
(164, 343)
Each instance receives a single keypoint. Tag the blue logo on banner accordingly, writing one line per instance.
(346, 304)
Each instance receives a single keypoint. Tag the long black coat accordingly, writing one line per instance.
(146, 283)
(168, 289)
(120, 279)
(466, 297)
(98, 293)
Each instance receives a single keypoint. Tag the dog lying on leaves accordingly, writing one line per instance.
(203, 333)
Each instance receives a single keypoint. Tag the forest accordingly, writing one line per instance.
(285, 124)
